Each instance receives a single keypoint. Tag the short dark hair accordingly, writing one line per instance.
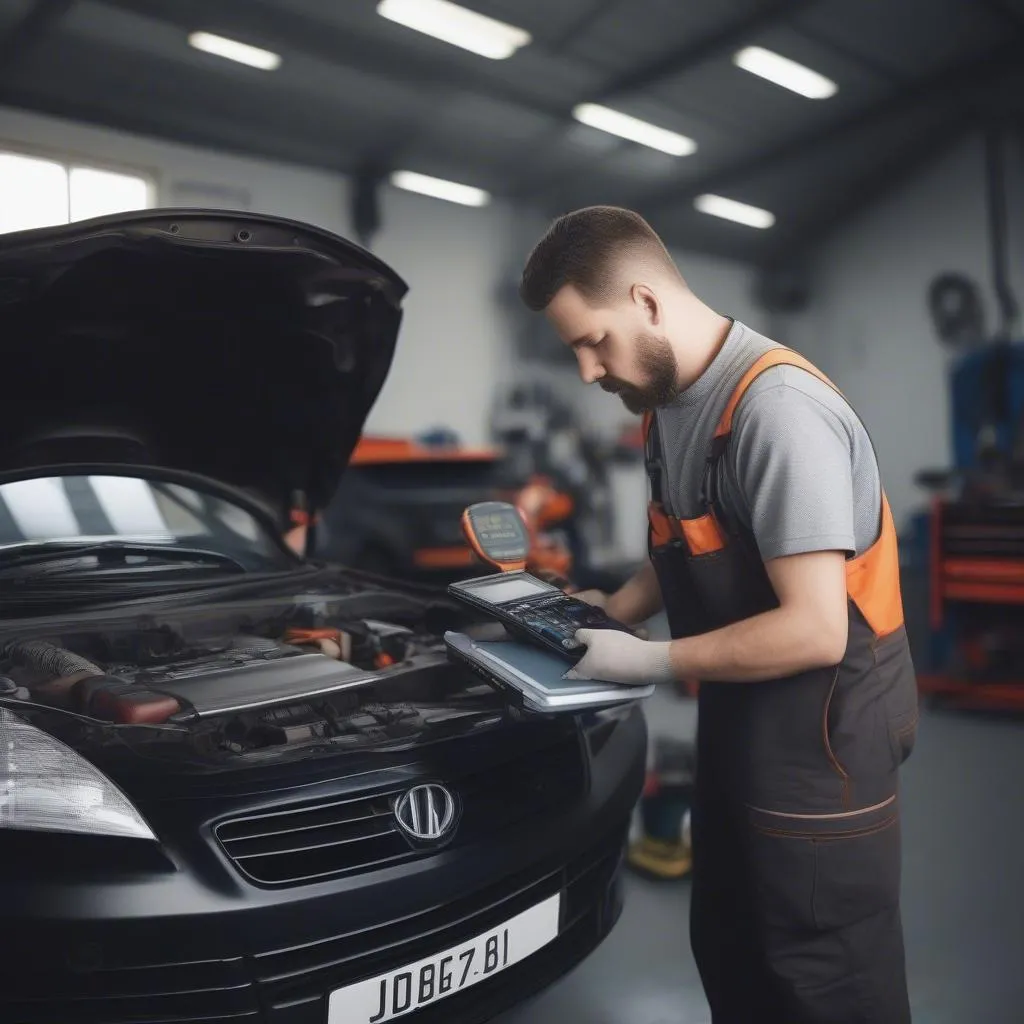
(584, 249)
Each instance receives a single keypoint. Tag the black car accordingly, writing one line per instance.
(237, 786)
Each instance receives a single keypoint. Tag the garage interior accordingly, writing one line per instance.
(869, 215)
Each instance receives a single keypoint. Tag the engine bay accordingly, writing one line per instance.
(228, 681)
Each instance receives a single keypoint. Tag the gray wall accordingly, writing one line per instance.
(868, 325)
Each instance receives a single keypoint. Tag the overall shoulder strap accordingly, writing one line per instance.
(720, 440)
(652, 456)
(774, 357)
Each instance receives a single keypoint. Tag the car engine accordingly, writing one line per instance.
(232, 684)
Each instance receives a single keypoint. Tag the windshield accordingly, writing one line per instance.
(104, 509)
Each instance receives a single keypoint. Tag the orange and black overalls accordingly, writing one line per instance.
(796, 825)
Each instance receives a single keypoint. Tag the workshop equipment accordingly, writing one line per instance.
(976, 526)
(663, 849)
(977, 595)
(542, 434)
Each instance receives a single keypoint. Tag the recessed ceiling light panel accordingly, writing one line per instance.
(730, 209)
(456, 25)
(231, 49)
(438, 188)
(785, 72)
(626, 127)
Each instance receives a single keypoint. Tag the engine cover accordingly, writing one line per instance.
(252, 674)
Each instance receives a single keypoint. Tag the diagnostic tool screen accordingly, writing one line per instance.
(500, 532)
(501, 591)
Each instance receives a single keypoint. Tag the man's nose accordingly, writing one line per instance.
(590, 366)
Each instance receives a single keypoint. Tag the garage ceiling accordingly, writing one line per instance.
(358, 93)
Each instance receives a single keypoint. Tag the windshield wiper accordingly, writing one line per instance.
(116, 553)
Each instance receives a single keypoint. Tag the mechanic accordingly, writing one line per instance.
(773, 553)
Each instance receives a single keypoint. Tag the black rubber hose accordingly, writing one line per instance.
(48, 659)
(995, 172)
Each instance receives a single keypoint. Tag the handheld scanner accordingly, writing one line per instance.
(497, 532)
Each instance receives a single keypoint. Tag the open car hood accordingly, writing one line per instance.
(238, 348)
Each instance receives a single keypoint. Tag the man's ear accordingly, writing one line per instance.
(646, 298)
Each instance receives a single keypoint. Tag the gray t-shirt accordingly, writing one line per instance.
(800, 471)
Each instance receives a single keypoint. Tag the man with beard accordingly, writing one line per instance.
(773, 554)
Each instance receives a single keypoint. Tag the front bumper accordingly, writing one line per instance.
(193, 946)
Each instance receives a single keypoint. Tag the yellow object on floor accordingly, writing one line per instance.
(659, 858)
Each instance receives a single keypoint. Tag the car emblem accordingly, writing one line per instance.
(426, 812)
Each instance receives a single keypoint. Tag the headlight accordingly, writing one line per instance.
(47, 786)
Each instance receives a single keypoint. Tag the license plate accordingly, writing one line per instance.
(416, 985)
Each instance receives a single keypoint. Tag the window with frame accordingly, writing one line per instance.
(38, 192)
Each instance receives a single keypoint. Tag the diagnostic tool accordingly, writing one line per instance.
(497, 533)
(528, 607)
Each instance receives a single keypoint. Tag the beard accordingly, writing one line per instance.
(656, 360)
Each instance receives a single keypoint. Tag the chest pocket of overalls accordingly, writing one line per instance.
(709, 569)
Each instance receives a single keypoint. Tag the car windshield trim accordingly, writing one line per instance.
(76, 510)
(87, 540)
(72, 551)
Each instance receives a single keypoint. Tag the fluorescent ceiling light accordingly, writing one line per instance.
(232, 50)
(785, 72)
(634, 129)
(730, 209)
(456, 25)
(438, 188)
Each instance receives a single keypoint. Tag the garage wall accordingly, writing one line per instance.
(185, 175)
(868, 325)
(455, 342)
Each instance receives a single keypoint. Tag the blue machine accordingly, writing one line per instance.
(987, 405)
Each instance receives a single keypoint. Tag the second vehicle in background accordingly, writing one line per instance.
(398, 510)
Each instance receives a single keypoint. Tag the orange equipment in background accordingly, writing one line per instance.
(544, 507)
(373, 450)
(467, 475)
(976, 587)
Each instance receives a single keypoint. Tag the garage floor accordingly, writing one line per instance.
(963, 895)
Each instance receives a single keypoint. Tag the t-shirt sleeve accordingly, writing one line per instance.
(793, 464)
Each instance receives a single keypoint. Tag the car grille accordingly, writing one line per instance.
(316, 841)
(291, 986)
(210, 992)
(295, 982)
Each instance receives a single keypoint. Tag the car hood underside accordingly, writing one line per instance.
(237, 348)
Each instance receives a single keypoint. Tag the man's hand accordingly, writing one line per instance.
(637, 599)
(616, 657)
(599, 599)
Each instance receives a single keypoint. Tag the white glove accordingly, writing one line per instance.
(616, 657)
